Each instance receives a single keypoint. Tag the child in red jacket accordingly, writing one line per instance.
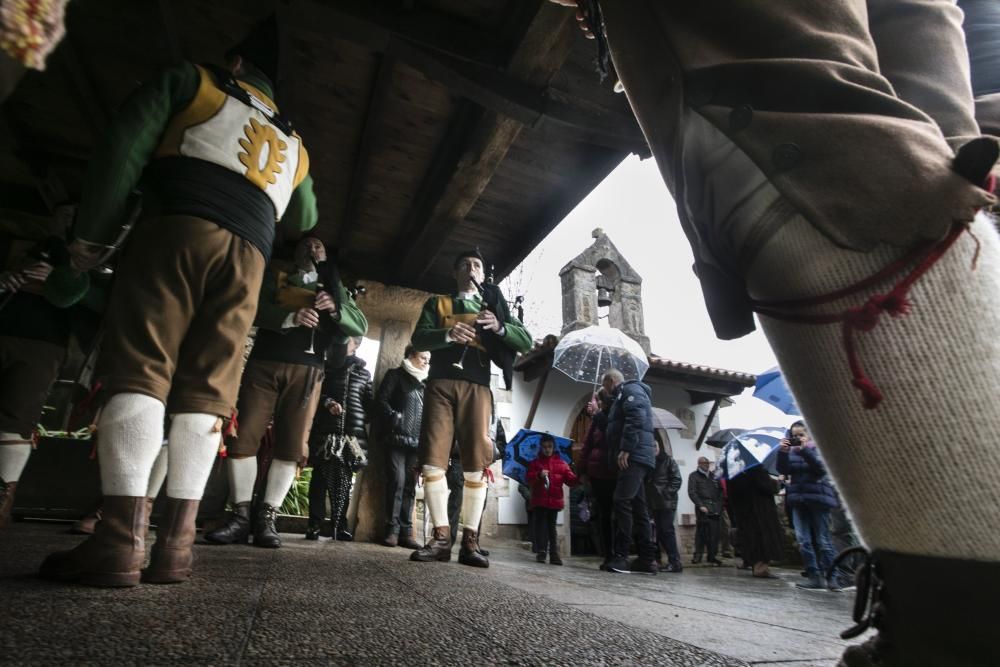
(546, 476)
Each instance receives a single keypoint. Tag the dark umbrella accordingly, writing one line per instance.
(665, 420)
(721, 438)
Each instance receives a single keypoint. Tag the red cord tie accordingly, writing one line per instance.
(488, 476)
(866, 317)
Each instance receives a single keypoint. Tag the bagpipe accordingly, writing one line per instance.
(497, 351)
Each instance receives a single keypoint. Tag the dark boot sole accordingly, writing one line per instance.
(267, 545)
(110, 579)
(167, 577)
(421, 558)
(474, 562)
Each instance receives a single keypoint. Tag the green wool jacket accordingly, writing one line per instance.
(130, 143)
(430, 334)
(282, 293)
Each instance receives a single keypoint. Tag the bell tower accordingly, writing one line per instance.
(598, 278)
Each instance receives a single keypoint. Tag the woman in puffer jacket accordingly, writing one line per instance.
(546, 476)
(399, 404)
(811, 497)
(338, 442)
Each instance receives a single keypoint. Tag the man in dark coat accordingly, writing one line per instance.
(630, 434)
(661, 493)
(706, 493)
(399, 404)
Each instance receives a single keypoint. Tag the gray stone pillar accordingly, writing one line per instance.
(392, 312)
(579, 295)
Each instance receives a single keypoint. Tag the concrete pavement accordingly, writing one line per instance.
(363, 604)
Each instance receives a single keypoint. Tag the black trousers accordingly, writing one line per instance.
(604, 504)
(706, 535)
(546, 539)
(400, 489)
(666, 535)
(456, 490)
(631, 513)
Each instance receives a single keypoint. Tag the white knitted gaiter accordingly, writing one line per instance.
(279, 481)
(436, 495)
(192, 446)
(917, 471)
(473, 500)
(242, 477)
(129, 436)
(13, 458)
(158, 474)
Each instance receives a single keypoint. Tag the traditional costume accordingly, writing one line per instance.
(219, 167)
(828, 170)
(458, 405)
(282, 381)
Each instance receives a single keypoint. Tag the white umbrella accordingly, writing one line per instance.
(587, 354)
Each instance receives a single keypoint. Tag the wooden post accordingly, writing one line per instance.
(708, 423)
(535, 400)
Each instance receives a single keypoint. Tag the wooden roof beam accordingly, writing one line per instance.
(547, 109)
(362, 157)
(541, 53)
(369, 26)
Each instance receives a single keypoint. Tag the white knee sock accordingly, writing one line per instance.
(279, 481)
(473, 498)
(158, 474)
(436, 495)
(192, 446)
(916, 471)
(13, 458)
(129, 437)
(242, 476)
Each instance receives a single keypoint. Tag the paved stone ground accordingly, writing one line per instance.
(362, 604)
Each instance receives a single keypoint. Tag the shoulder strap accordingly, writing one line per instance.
(227, 83)
(445, 308)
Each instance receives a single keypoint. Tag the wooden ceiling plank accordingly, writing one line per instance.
(544, 48)
(362, 158)
(368, 25)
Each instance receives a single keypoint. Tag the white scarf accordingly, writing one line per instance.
(420, 374)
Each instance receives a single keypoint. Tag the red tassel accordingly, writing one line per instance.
(488, 476)
(870, 394)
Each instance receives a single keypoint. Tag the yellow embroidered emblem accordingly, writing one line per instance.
(263, 154)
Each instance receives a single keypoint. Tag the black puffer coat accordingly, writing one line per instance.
(351, 386)
(662, 486)
(399, 404)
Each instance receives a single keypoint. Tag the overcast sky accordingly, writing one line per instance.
(637, 212)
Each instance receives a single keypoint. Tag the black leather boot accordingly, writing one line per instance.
(264, 532)
(439, 548)
(469, 553)
(928, 612)
(234, 531)
(312, 530)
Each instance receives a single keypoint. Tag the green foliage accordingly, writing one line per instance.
(297, 501)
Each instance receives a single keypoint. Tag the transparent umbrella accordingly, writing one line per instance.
(587, 354)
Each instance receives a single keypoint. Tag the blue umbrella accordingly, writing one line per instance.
(771, 388)
(758, 447)
(523, 448)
